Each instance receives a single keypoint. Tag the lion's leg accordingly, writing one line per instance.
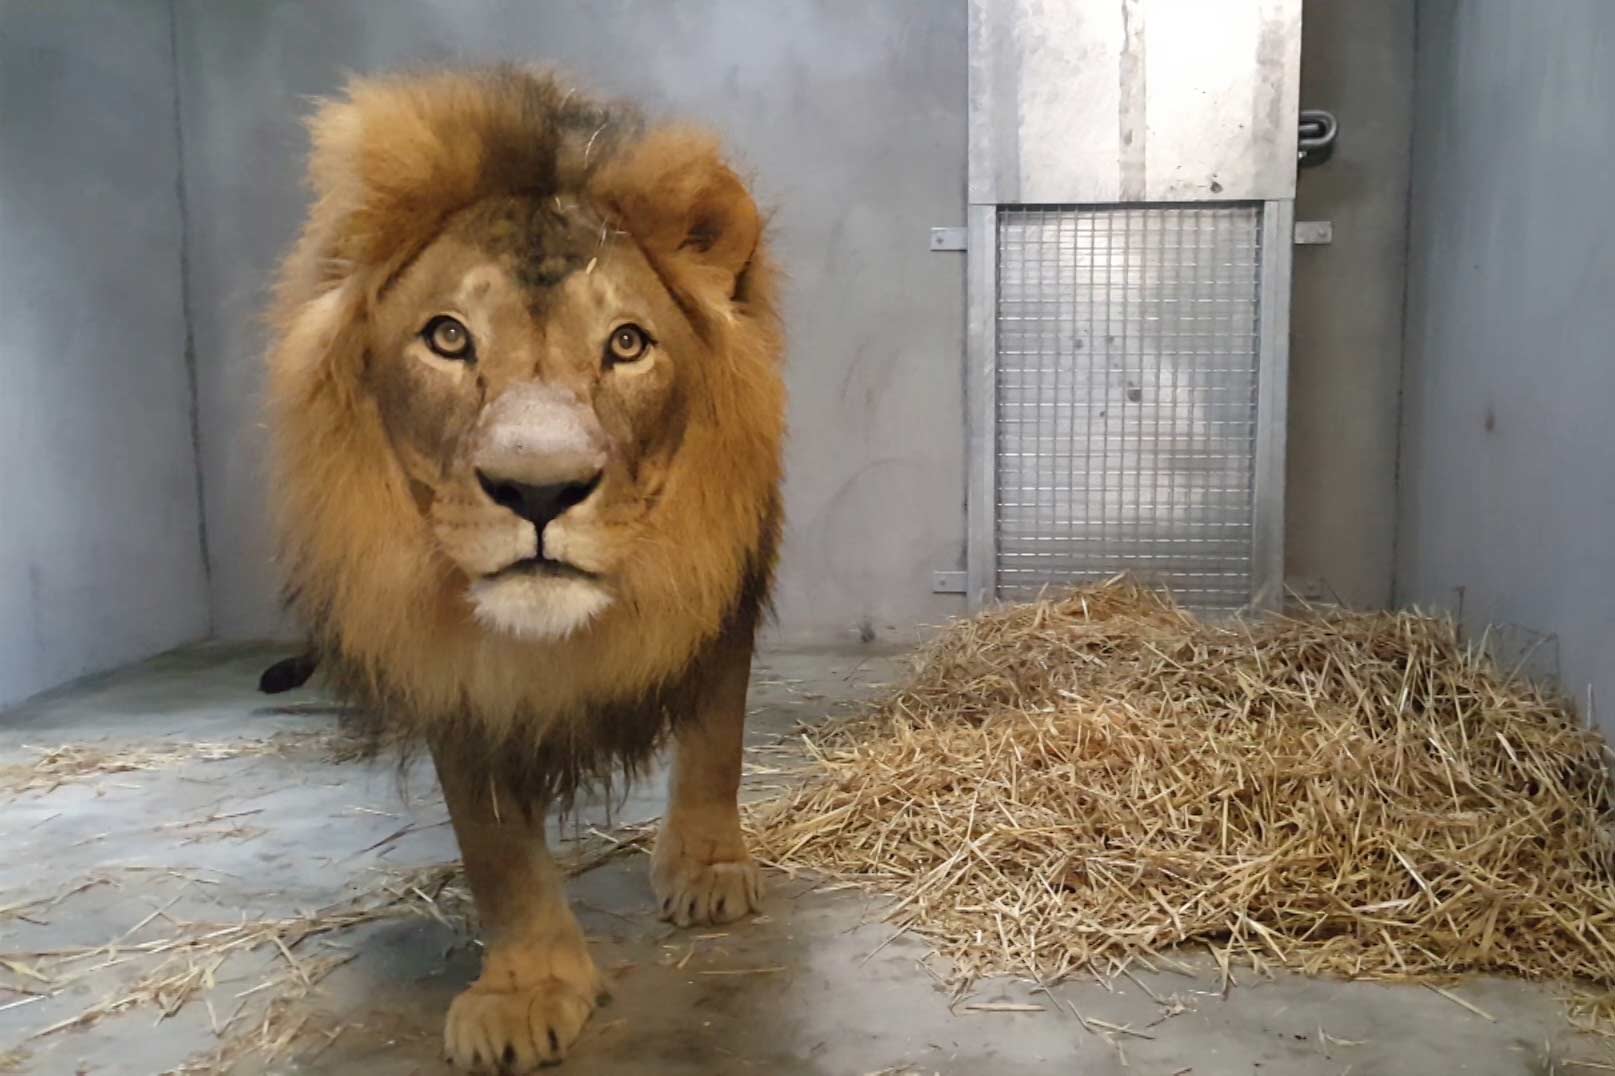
(701, 871)
(538, 983)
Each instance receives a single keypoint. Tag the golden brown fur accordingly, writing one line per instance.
(526, 410)
(397, 165)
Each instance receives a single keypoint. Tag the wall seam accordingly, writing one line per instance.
(191, 381)
(1402, 334)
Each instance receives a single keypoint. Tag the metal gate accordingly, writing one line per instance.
(1127, 359)
(1128, 347)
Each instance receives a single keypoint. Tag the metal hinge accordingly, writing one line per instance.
(947, 239)
(947, 582)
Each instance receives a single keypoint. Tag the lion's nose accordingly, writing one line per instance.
(537, 504)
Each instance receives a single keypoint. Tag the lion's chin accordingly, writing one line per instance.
(537, 607)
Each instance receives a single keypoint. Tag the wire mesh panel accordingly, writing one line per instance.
(1126, 378)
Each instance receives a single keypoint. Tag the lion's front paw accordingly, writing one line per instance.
(700, 879)
(515, 1031)
(693, 892)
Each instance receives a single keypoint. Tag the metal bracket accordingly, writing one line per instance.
(947, 582)
(948, 239)
(1314, 232)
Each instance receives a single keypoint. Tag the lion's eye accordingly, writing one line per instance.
(448, 337)
(628, 344)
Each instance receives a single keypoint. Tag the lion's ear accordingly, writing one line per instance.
(690, 212)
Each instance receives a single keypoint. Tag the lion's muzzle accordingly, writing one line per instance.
(541, 453)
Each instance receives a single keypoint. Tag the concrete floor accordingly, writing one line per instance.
(793, 991)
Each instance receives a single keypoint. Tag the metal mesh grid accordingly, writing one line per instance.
(1126, 397)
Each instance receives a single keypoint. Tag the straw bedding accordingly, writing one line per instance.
(1076, 783)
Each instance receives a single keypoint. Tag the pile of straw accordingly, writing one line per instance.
(1076, 783)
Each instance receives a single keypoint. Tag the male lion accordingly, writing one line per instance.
(527, 411)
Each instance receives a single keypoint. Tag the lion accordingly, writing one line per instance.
(526, 409)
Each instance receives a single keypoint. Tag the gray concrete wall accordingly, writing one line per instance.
(100, 557)
(850, 115)
(852, 119)
(1346, 318)
(1508, 455)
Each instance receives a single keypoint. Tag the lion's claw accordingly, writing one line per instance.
(522, 1028)
(693, 892)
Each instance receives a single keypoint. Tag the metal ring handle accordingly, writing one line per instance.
(1317, 129)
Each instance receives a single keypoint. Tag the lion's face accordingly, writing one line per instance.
(526, 405)
(529, 369)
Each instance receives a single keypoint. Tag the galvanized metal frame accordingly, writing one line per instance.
(1100, 102)
(1272, 397)
(1150, 102)
(981, 405)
